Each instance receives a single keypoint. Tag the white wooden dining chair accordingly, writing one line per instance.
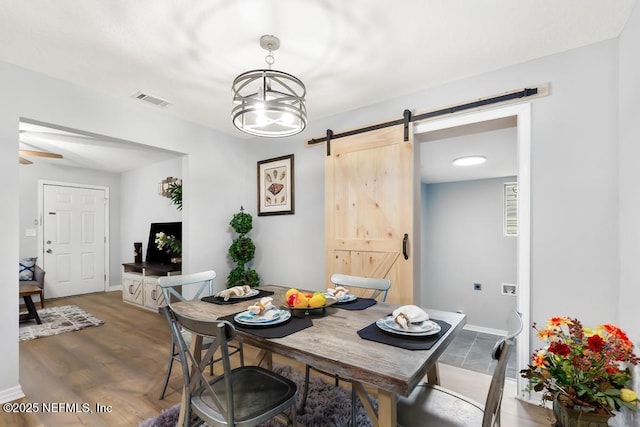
(433, 405)
(372, 288)
(377, 286)
(173, 289)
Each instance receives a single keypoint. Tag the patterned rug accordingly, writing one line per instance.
(57, 320)
(327, 405)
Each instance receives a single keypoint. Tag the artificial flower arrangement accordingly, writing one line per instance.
(584, 369)
(168, 243)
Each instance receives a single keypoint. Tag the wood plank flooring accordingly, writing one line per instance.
(120, 365)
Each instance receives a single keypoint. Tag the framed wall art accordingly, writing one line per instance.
(275, 186)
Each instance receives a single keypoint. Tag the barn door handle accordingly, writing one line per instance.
(405, 243)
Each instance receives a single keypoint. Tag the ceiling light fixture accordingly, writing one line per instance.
(267, 102)
(469, 160)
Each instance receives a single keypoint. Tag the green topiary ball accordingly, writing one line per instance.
(242, 249)
(241, 222)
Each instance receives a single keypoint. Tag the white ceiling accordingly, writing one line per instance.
(84, 150)
(494, 139)
(348, 53)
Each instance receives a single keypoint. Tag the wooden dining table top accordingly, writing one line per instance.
(332, 343)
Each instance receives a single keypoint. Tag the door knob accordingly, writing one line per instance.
(49, 251)
(48, 242)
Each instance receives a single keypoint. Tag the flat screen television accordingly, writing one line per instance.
(171, 229)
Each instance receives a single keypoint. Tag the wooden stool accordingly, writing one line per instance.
(25, 292)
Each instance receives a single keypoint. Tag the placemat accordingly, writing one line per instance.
(356, 304)
(293, 325)
(373, 333)
(221, 301)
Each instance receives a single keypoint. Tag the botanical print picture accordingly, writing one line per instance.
(275, 186)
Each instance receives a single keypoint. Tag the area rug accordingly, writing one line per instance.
(327, 405)
(57, 320)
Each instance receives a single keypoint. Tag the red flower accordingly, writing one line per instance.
(595, 343)
(559, 348)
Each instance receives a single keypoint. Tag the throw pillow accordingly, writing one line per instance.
(27, 266)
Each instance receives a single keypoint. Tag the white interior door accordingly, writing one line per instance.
(73, 240)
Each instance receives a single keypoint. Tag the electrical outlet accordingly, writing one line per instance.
(477, 287)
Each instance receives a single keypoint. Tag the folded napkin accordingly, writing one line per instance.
(338, 292)
(262, 306)
(408, 314)
(236, 290)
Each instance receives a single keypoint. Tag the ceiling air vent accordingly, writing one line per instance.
(159, 102)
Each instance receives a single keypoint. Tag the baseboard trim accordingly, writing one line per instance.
(491, 331)
(11, 394)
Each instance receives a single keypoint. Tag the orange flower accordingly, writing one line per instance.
(539, 359)
(556, 322)
(546, 334)
(618, 333)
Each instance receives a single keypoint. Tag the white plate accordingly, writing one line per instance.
(347, 298)
(251, 293)
(426, 328)
(270, 317)
(413, 327)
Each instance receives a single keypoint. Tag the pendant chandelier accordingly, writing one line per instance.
(267, 102)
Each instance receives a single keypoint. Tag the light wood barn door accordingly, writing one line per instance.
(369, 193)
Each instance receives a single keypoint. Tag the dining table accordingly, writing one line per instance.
(334, 343)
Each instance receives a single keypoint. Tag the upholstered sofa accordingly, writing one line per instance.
(38, 280)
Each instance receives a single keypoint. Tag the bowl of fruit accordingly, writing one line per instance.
(306, 301)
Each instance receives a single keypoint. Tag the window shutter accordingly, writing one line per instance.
(510, 208)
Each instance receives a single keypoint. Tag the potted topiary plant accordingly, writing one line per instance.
(242, 250)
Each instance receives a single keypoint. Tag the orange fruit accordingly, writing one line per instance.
(300, 301)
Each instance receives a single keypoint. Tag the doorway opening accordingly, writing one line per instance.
(499, 118)
(131, 172)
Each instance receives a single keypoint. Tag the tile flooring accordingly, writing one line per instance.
(472, 350)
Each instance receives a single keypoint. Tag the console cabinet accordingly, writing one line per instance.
(140, 283)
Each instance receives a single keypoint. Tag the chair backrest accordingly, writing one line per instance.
(220, 332)
(174, 286)
(500, 352)
(378, 286)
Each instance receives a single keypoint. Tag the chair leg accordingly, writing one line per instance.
(169, 367)
(354, 400)
(241, 350)
(303, 404)
(41, 299)
(294, 415)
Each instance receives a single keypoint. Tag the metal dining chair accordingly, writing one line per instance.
(245, 396)
(375, 287)
(433, 405)
(173, 288)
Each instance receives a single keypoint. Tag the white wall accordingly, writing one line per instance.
(141, 205)
(463, 243)
(29, 176)
(629, 134)
(629, 153)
